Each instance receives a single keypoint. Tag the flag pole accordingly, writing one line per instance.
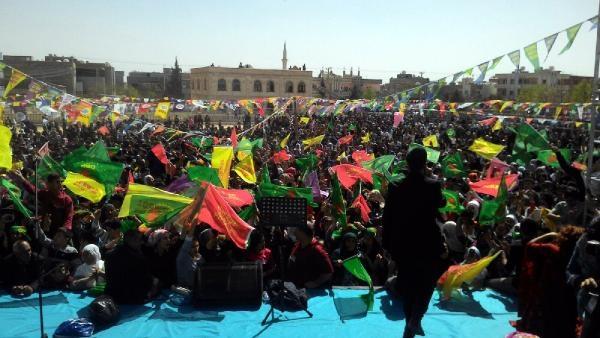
(592, 136)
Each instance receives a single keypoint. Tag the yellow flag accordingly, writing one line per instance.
(459, 274)
(578, 124)
(285, 140)
(221, 160)
(85, 112)
(497, 125)
(85, 187)
(5, 149)
(312, 141)
(485, 149)
(342, 155)
(431, 141)
(162, 110)
(557, 113)
(16, 78)
(245, 170)
(506, 104)
(366, 139)
(304, 120)
(1, 113)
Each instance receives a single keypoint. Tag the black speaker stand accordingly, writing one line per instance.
(272, 314)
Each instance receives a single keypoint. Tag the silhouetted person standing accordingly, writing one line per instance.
(413, 238)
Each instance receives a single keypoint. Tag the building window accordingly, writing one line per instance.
(204, 84)
(511, 93)
(544, 81)
(193, 87)
(198, 84)
(222, 85)
(235, 85)
(301, 87)
(257, 86)
(289, 87)
(512, 81)
(270, 86)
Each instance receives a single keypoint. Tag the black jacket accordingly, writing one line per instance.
(410, 230)
(128, 277)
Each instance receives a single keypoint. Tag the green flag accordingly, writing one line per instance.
(152, 205)
(494, 211)
(549, 41)
(48, 166)
(495, 62)
(337, 201)
(307, 163)
(529, 139)
(380, 164)
(532, 54)
(92, 163)
(273, 190)
(515, 57)
(549, 157)
(204, 174)
(451, 133)
(202, 142)
(452, 202)
(356, 268)
(247, 212)
(15, 196)
(432, 154)
(265, 177)
(571, 34)
(452, 166)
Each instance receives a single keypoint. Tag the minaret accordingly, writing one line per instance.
(284, 60)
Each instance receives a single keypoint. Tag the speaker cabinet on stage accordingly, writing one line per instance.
(228, 285)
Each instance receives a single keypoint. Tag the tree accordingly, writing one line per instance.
(128, 91)
(538, 93)
(581, 92)
(369, 94)
(174, 87)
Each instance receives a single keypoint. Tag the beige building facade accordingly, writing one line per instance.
(224, 83)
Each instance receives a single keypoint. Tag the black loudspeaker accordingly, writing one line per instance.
(236, 284)
(282, 211)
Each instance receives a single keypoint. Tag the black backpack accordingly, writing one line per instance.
(104, 311)
(284, 296)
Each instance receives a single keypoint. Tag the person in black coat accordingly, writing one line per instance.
(128, 275)
(413, 238)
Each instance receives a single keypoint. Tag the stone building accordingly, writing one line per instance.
(401, 82)
(225, 83)
(348, 85)
(81, 78)
(509, 85)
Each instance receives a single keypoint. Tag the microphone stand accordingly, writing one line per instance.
(41, 271)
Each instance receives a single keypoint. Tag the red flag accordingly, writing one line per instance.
(130, 179)
(160, 153)
(44, 150)
(346, 139)
(236, 198)
(103, 131)
(143, 108)
(363, 206)
(361, 156)
(490, 186)
(349, 174)
(157, 131)
(261, 110)
(281, 156)
(398, 117)
(496, 168)
(488, 122)
(217, 213)
(233, 138)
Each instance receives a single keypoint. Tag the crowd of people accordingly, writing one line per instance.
(550, 255)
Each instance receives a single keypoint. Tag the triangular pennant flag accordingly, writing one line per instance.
(16, 78)
(549, 41)
(495, 62)
(482, 70)
(515, 57)
(245, 170)
(531, 53)
(571, 34)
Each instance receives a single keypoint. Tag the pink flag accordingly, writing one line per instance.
(496, 168)
(44, 150)
(398, 118)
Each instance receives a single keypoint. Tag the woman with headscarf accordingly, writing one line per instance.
(91, 271)
(161, 257)
(348, 248)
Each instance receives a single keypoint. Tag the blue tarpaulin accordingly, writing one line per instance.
(337, 313)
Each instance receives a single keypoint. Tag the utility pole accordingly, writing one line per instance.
(592, 137)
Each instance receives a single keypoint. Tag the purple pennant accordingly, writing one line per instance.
(312, 180)
(180, 184)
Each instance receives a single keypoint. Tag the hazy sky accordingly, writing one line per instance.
(437, 37)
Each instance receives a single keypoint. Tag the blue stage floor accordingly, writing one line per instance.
(486, 314)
